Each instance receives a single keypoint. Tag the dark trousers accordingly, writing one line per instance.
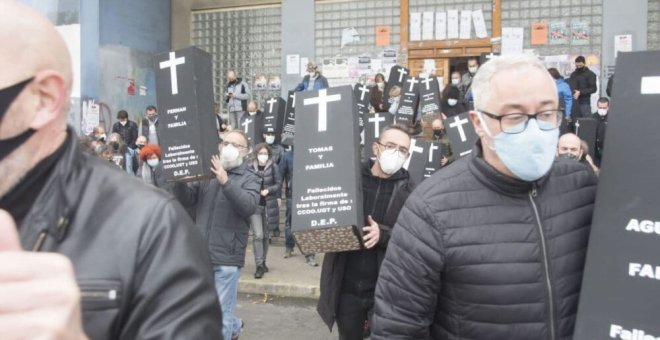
(352, 312)
(585, 110)
(288, 235)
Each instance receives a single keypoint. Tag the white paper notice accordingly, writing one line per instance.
(479, 24)
(512, 40)
(376, 65)
(651, 85)
(441, 26)
(292, 63)
(415, 26)
(452, 24)
(466, 24)
(427, 25)
(622, 43)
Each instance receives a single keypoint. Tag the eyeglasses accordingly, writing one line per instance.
(514, 123)
(238, 146)
(393, 147)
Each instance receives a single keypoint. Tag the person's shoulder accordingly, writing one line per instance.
(575, 172)
(450, 178)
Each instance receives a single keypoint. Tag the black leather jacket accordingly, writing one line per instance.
(141, 266)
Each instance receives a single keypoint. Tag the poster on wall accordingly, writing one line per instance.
(580, 33)
(622, 43)
(558, 33)
(452, 24)
(440, 26)
(415, 26)
(260, 83)
(466, 24)
(479, 24)
(292, 62)
(540, 33)
(427, 25)
(274, 83)
(335, 67)
(512, 40)
(382, 35)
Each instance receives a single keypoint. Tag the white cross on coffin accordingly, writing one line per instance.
(458, 123)
(271, 101)
(402, 72)
(363, 90)
(413, 148)
(171, 64)
(246, 123)
(322, 100)
(376, 119)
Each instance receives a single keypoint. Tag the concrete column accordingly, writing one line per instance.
(622, 17)
(298, 37)
(89, 51)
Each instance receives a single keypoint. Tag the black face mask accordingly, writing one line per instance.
(438, 132)
(568, 155)
(114, 146)
(7, 97)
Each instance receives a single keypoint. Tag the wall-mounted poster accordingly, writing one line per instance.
(427, 25)
(622, 43)
(274, 83)
(558, 33)
(382, 35)
(440, 26)
(415, 26)
(479, 24)
(260, 82)
(580, 33)
(452, 24)
(540, 33)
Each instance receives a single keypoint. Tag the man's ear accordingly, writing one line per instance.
(51, 91)
(374, 148)
(476, 123)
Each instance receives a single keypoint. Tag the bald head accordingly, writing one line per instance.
(33, 52)
(569, 144)
(31, 45)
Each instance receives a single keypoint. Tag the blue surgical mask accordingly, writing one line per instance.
(529, 154)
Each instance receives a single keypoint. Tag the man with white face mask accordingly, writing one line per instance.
(493, 246)
(223, 206)
(603, 107)
(348, 279)
(466, 80)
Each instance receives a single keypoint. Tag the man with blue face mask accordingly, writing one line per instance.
(493, 246)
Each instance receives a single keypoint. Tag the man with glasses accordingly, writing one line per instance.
(223, 206)
(348, 279)
(493, 246)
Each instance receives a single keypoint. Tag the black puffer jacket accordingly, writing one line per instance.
(222, 212)
(140, 264)
(272, 180)
(470, 259)
(334, 264)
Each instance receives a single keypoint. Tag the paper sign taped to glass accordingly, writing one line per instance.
(327, 200)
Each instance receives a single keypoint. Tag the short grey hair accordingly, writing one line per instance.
(481, 82)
